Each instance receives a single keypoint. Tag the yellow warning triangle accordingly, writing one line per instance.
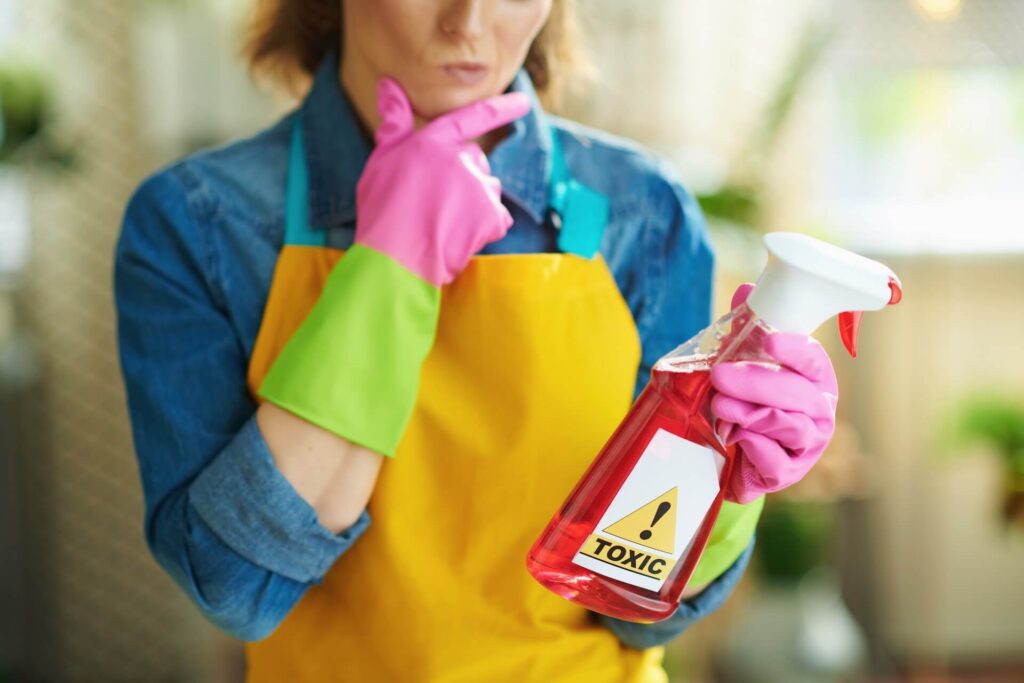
(653, 525)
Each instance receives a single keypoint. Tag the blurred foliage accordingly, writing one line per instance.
(997, 421)
(738, 200)
(734, 203)
(26, 108)
(25, 104)
(793, 538)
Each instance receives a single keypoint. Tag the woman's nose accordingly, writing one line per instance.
(464, 19)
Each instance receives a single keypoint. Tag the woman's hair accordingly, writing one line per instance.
(287, 39)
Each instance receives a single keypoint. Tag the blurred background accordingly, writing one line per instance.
(892, 127)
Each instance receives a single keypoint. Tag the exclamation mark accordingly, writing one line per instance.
(658, 514)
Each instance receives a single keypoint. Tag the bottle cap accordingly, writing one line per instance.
(808, 281)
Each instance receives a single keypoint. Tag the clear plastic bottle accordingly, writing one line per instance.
(629, 536)
(676, 398)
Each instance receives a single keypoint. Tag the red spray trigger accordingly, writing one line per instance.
(849, 321)
(849, 328)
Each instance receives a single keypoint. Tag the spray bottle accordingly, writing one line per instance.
(629, 536)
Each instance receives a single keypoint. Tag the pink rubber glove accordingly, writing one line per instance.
(426, 198)
(781, 417)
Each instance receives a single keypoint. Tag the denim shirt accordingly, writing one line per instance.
(193, 267)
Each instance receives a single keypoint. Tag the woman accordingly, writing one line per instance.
(438, 331)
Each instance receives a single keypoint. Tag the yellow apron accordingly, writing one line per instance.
(532, 369)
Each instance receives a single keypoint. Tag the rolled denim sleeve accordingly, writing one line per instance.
(690, 611)
(243, 497)
(220, 518)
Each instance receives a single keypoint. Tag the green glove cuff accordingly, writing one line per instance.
(353, 365)
(729, 538)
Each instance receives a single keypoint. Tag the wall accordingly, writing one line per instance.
(933, 573)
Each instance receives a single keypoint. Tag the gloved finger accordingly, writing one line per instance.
(496, 230)
(473, 154)
(805, 355)
(774, 386)
(471, 161)
(475, 119)
(395, 112)
(493, 230)
(740, 321)
(502, 222)
(741, 294)
(506, 221)
(747, 480)
(790, 430)
(737, 491)
(725, 429)
(766, 467)
(493, 187)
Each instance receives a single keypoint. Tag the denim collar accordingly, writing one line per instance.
(337, 149)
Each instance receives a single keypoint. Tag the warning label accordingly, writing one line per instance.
(612, 552)
(653, 525)
(652, 520)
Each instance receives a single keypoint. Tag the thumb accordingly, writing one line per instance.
(741, 293)
(395, 112)
(738, 297)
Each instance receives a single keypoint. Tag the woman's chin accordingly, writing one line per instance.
(439, 100)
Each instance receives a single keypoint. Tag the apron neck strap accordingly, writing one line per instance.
(577, 212)
(296, 218)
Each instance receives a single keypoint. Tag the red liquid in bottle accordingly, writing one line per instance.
(674, 399)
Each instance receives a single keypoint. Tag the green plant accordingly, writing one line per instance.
(793, 537)
(996, 420)
(26, 107)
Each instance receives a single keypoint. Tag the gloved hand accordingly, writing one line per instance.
(427, 199)
(782, 417)
(425, 204)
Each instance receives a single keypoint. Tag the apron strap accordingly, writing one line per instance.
(296, 216)
(577, 212)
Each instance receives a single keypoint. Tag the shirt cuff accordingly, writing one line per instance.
(690, 611)
(249, 504)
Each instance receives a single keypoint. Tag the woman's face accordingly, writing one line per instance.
(444, 53)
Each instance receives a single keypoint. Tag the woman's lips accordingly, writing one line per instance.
(466, 73)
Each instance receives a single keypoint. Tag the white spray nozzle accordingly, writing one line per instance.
(808, 281)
